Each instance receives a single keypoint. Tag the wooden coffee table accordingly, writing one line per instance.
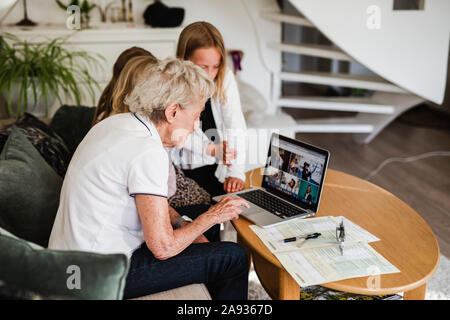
(405, 240)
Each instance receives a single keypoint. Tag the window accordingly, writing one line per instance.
(409, 4)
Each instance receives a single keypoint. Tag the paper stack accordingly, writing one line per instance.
(318, 261)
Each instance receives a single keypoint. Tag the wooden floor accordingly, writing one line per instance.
(422, 184)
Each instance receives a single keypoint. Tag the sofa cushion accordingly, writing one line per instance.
(72, 123)
(29, 190)
(71, 274)
(51, 147)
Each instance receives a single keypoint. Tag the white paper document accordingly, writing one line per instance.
(319, 261)
(273, 236)
(326, 264)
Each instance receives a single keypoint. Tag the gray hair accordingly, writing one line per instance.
(166, 82)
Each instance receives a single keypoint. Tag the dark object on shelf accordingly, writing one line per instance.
(25, 21)
(280, 4)
(158, 15)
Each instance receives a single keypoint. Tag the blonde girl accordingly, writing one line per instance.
(105, 103)
(221, 121)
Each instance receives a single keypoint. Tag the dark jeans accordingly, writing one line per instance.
(206, 178)
(221, 266)
(213, 234)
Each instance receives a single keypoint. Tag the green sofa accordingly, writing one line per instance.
(31, 176)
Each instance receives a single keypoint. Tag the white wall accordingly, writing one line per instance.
(410, 48)
(231, 17)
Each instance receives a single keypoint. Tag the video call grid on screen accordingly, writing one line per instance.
(295, 171)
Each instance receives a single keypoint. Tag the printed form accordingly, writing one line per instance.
(318, 261)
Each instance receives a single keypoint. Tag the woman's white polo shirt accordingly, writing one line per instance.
(120, 157)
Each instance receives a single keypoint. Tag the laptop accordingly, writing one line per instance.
(292, 183)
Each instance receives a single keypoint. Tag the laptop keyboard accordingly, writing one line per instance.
(272, 204)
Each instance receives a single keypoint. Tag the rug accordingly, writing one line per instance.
(439, 285)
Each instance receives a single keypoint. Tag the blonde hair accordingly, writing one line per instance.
(199, 35)
(166, 82)
(105, 103)
(127, 80)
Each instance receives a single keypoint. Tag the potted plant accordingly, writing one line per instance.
(34, 75)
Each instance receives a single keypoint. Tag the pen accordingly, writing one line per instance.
(307, 237)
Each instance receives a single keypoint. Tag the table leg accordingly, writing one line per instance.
(277, 282)
(416, 294)
(289, 288)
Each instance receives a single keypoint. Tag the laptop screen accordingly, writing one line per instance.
(295, 171)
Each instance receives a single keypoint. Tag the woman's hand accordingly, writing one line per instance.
(233, 185)
(227, 209)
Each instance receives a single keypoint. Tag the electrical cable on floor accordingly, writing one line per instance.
(408, 159)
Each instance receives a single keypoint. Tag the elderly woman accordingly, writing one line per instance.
(114, 195)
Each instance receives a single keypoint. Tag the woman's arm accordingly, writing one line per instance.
(175, 216)
(165, 242)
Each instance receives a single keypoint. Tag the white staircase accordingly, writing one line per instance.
(373, 113)
(286, 18)
(315, 50)
(342, 80)
(350, 104)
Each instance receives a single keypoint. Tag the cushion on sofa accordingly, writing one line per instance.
(72, 123)
(71, 274)
(29, 190)
(51, 147)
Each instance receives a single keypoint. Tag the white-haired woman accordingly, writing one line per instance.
(114, 195)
